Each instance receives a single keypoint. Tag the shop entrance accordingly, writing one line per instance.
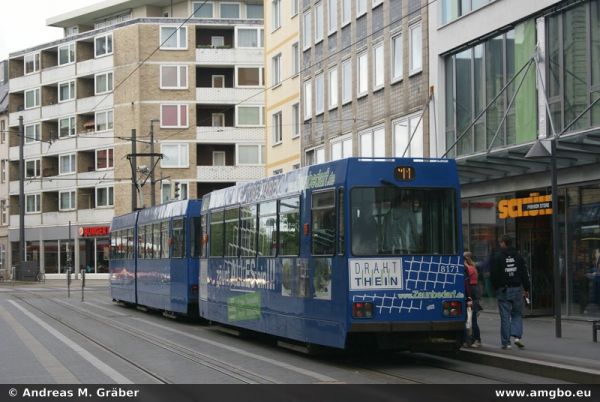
(534, 241)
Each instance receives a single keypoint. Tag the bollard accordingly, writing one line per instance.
(69, 283)
(82, 283)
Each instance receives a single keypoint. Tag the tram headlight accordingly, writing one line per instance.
(452, 308)
(362, 310)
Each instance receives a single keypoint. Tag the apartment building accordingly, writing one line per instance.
(282, 76)
(364, 79)
(4, 133)
(187, 73)
(509, 73)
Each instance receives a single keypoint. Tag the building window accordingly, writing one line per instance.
(249, 116)
(249, 154)
(276, 15)
(378, 66)
(249, 37)
(277, 171)
(295, 120)
(175, 155)
(173, 77)
(295, 59)
(33, 168)
(277, 128)
(372, 143)
(66, 164)
(319, 93)
(104, 120)
(341, 147)
(104, 197)
(276, 69)
(66, 200)
(452, 9)
(32, 63)
(218, 119)
(182, 194)
(103, 45)
(66, 127)
(307, 31)
(66, 54)
(66, 91)
(2, 127)
(173, 116)
(173, 38)
(3, 164)
(32, 98)
(202, 9)
(4, 214)
(217, 41)
(403, 130)
(397, 58)
(32, 133)
(361, 7)
(255, 11)
(165, 192)
(218, 158)
(104, 159)
(33, 203)
(362, 75)
(218, 81)
(294, 7)
(314, 156)
(346, 81)
(104, 83)
(307, 100)
(332, 17)
(346, 10)
(230, 10)
(318, 22)
(416, 49)
(249, 76)
(375, 3)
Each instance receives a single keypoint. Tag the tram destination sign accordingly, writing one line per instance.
(404, 173)
(375, 274)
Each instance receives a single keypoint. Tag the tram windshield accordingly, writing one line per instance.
(400, 221)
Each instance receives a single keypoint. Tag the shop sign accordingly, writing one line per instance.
(534, 205)
(94, 231)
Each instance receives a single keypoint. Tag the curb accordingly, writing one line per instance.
(559, 371)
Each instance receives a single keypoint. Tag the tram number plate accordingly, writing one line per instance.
(373, 274)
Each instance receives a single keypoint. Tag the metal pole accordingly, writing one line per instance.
(133, 171)
(152, 181)
(21, 195)
(555, 240)
(82, 284)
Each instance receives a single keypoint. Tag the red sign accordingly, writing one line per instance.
(94, 231)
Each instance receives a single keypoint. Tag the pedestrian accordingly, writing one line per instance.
(511, 284)
(473, 296)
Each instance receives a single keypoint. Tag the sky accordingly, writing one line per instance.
(23, 22)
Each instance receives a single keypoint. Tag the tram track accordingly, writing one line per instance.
(196, 357)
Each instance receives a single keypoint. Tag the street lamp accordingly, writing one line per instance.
(547, 149)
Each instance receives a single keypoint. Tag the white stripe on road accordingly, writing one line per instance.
(53, 366)
(103, 367)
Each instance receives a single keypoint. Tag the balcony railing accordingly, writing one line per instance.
(230, 173)
(211, 56)
(229, 135)
(220, 96)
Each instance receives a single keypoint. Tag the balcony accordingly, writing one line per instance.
(61, 182)
(232, 135)
(62, 145)
(29, 116)
(95, 215)
(221, 57)
(92, 66)
(93, 141)
(58, 110)
(30, 220)
(58, 73)
(102, 177)
(98, 102)
(31, 186)
(25, 82)
(220, 96)
(59, 217)
(229, 173)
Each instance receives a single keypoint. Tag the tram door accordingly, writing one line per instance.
(534, 242)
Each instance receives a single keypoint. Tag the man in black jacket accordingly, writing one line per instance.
(511, 283)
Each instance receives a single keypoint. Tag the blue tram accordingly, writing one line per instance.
(350, 252)
(154, 257)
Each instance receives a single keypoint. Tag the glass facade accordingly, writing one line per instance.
(475, 78)
(579, 213)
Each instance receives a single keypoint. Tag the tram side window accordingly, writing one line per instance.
(267, 224)
(204, 236)
(178, 238)
(196, 238)
(114, 236)
(217, 231)
(341, 228)
(149, 242)
(141, 241)
(248, 231)
(289, 226)
(129, 244)
(164, 239)
(156, 240)
(323, 223)
(231, 232)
